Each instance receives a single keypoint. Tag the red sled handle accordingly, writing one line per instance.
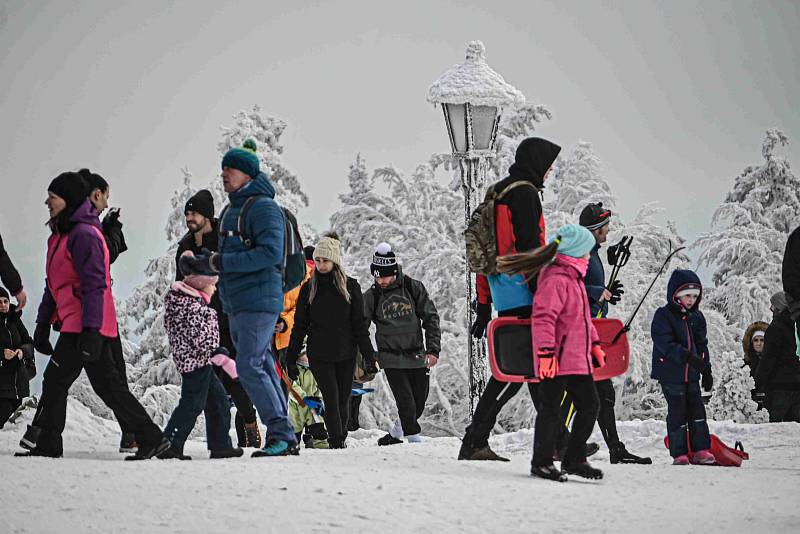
(511, 349)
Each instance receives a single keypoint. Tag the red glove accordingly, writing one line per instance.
(598, 356)
(548, 364)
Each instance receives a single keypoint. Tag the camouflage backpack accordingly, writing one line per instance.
(480, 233)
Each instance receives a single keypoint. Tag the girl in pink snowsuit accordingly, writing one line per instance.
(565, 347)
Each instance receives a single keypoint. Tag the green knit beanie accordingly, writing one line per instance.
(244, 159)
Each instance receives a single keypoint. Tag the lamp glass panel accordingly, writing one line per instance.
(483, 119)
(458, 125)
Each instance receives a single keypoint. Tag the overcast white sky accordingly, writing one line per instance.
(675, 96)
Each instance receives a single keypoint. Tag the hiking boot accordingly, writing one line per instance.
(30, 438)
(591, 449)
(37, 452)
(253, 434)
(127, 442)
(277, 447)
(618, 454)
(486, 453)
(683, 459)
(548, 472)
(173, 454)
(703, 458)
(226, 453)
(582, 469)
(388, 439)
(466, 449)
(145, 452)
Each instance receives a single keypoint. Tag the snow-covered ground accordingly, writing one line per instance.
(403, 488)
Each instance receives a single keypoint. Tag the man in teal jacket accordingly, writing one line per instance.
(250, 267)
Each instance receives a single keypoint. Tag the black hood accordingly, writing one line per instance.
(534, 156)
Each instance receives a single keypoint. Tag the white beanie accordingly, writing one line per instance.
(329, 249)
(688, 291)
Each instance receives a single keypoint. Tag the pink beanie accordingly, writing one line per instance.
(198, 281)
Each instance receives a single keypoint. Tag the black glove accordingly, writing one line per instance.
(90, 345)
(616, 292)
(371, 366)
(696, 363)
(707, 381)
(111, 220)
(483, 314)
(292, 371)
(41, 339)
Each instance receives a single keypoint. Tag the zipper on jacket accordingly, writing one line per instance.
(689, 340)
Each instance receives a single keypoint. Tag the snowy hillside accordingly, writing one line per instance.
(403, 488)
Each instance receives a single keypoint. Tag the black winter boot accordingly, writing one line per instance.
(619, 455)
(548, 472)
(582, 469)
(127, 442)
(173, 454)
(388, 439)
(226, 453)
(145, 452)
(37, 452)
(31, 437)
(486, 453)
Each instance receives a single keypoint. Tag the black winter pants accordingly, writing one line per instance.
(549, 420)
(353, 423)
(7, 408)
(410, 390)
(119, 362)
(62, 370)
(606, 418)
(686, 413)
(783, 406)
(334, 380)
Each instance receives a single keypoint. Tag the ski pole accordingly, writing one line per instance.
(618, 256)
(627, 326)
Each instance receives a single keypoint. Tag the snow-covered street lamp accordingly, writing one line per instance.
(473, 96)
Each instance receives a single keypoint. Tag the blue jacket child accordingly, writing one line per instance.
(680, 360)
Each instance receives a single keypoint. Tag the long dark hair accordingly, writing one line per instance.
(529, 263)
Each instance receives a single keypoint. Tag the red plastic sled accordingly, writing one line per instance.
(511, 349)
(725, 456)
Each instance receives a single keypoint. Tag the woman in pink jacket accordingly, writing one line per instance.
(565, 347)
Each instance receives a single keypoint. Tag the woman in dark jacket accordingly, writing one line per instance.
(778, 373)
(753, 345)
(330, 311)
(17, 365)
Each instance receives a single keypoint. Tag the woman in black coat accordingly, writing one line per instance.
(330, 312)
(17, 364)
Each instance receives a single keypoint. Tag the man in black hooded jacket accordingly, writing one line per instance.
(519, 227)
(10, 277)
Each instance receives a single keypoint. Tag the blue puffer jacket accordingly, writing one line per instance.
(675, 330)
(250, 280)
(596, 283)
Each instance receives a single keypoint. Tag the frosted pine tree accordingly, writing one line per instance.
(750, 229)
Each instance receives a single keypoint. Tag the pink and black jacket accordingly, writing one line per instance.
(675, 330)
(78, 295)
(191, 326)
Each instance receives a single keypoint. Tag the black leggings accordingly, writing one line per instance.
(334, 380)
(606, 418)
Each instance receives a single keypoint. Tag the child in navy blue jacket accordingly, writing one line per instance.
(680, 361)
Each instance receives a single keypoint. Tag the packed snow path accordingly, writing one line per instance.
(401, 488)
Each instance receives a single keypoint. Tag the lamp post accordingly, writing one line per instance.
(472, 97)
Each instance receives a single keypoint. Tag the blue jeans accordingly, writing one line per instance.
(252, 334)
(201, 391)
(685, 413)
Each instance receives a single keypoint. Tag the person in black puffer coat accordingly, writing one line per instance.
(330, 311)
(778, 372)
(17, 364)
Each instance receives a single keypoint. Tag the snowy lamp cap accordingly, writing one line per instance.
(474, 82)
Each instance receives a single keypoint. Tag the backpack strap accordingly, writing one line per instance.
(511, 187)
(240, 231)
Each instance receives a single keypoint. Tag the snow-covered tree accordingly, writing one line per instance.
(750, 229)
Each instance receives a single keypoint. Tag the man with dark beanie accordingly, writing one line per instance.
(596, 219)
(203, 234)
(402, 311)
(79, 302)
(519, 227)
(10, 277)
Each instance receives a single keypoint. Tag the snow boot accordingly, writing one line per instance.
(277, 447)
(173, 454)
(683, 459)
(388, 439)
(582, 469)
(337, 443)
(548, 472)
(591, 449)
(37, 452)
(226, 453)
(619, 455)
(486, 453)
(466, 449)
(30, 438)
(145, 452)
(703, 458)
(252, 434)
(127, 442)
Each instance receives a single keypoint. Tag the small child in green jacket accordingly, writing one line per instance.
(305, 417)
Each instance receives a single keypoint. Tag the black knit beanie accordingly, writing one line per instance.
(594, 216)
(71, 187)
(4, 293)
(202, 202)
(384, 262)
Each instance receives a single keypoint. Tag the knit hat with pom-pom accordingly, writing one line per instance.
(384, 262)
(244, 159)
